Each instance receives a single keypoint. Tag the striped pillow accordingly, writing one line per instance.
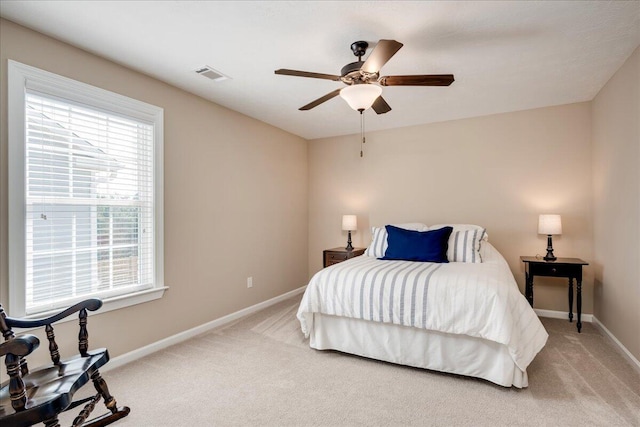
(464, 245)
(379, 245)
(463, 227)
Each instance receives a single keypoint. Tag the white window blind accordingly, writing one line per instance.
(85, 194)
(89, 204)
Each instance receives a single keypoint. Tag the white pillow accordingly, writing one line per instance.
(464, 242)
(378, 245)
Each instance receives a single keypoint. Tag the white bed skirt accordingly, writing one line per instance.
(457, 354)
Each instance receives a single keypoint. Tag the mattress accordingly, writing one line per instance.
(451, 306)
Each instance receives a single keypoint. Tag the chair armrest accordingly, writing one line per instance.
(92, 304)
(21, 346)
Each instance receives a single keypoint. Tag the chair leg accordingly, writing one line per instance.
(116, 413)
(101, 387)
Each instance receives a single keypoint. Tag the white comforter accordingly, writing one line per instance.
(480, 300)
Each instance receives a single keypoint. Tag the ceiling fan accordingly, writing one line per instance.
(363, 78)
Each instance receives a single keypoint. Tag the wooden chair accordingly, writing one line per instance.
(39, 396)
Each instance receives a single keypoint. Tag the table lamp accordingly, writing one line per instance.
(349, 223)
(549, 225)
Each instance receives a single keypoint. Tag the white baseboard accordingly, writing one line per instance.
(592, 319)
(139, 353)
(553, 314)
(635, 362)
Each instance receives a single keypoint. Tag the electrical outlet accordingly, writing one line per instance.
(249, 282)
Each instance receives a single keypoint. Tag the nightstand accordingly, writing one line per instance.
(570, 268)
(336, 255)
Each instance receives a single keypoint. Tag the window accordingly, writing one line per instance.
(85, 194)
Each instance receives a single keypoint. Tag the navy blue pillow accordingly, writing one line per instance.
(424, 246)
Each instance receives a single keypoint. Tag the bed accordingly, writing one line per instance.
(462, 317)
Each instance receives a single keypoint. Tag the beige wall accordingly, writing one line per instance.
(498, 171)
(616, 204)
(235, 199)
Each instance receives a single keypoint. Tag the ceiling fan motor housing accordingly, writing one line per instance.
(351, 73)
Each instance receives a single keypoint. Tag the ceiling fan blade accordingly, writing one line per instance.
(307, 74)
(380, 106)
(320, 100)
(417, 80)
(382, 53)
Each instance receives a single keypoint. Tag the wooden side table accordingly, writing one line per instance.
(570, 268)
(336, 255)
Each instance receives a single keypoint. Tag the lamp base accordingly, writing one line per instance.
(349, 245)
(549, 256)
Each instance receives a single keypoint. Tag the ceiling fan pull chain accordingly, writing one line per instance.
(364, 137)
(361, 131)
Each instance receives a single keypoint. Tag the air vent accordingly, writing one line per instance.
(212, 74)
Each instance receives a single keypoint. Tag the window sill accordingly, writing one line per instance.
(108, 304)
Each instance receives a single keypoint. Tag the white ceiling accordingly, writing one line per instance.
(506, 56)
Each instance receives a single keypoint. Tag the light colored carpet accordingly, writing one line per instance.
(260, 371)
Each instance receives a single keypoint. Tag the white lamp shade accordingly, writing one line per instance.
(549, 224)
(361, 96)
(349, 222)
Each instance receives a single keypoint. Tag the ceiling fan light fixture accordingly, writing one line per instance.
(361, 96)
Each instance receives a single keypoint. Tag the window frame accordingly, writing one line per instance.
(21, 75)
